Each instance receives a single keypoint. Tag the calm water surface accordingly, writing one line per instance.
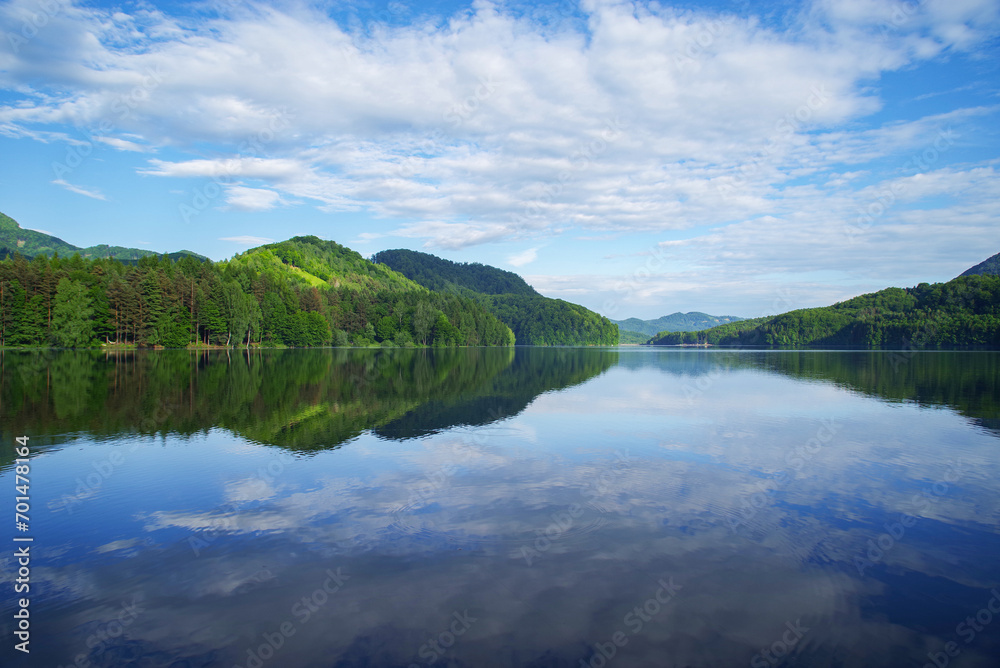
(527, 507)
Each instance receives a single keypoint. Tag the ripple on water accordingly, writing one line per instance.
(498, 523)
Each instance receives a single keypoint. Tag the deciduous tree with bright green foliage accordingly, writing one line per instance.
(72, 326)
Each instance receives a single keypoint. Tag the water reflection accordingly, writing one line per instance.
(803, 510)
(298, 399)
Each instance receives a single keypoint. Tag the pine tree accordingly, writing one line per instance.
(71, 313)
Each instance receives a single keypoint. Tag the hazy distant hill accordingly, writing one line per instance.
(990, 266)
(30, 243)
(694, 321)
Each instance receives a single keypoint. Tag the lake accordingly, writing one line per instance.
(505, 507)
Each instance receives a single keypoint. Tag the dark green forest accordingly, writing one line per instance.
(534, 319)
(988, 266)
(962, 312)
(436, 273)
(301, 292)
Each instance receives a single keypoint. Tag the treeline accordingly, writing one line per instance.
(535, 320)
(263, 297)
(962, 312)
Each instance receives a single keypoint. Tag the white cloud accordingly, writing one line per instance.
(123, 144)
(524, 257)
(257, 168)
(455, 235)
(252, 199)
(93, 194)
(247, 240)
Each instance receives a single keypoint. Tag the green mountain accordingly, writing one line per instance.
(962, 312)
(315, 262)
(300, 292)
(675, 322)
(989, 266)
(29, 243)
(534, 319)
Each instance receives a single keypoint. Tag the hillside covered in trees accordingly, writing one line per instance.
(962, 312)
(300, 292)
(436, 273)
(989, 266)
(534, 319)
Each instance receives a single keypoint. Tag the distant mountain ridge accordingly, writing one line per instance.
(695, 321)
(29, 243)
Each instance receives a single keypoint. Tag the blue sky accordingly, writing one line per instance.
(638, 158)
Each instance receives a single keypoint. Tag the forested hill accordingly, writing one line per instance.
(675, 322)
(301, 292)
(534, 319)
(989, 266)
(29, 243)
(317, 262)
(435, 273)
(962, 312)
